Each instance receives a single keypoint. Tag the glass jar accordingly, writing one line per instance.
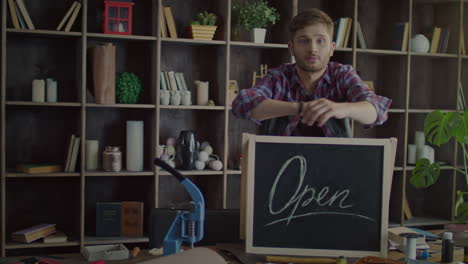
(112, 159)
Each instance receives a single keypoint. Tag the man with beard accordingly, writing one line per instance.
(312, 97)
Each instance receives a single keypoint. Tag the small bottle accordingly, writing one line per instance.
(112, 159)
(447, 247)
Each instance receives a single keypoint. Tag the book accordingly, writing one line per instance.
(73, 17)
(163, 25)
(179, 81)
(20, 17)
(340, 31)
(69, 152)
(404, 43)
(163, 81)
(184, 83)
(132, 219)
(349, 22)
(74, 155)
(435, 40)
(67, 15)
(57, 237)
(444, 40)
(172, 81)
(39, 168)
(168, 82)
(401, 36)
(14, 17)
(170, 21)
(33, 233)
(108, 219)
(360, 35)
(25, 14)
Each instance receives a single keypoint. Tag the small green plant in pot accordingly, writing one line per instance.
(439, 128)
(255, 17)
(205, 18)
(204, 27)
(128, 88)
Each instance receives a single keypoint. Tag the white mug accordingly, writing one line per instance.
(186, 97)
(165, 97)
(175, 98)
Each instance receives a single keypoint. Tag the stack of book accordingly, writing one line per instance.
(20, 15)
(440, 37)
(173, 81)
(33, 233)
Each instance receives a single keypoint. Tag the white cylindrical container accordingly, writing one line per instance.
(428, 153)
(134, 145)
(38, 91)
(411, 248)
(202, 92)
(419, 139)
(92, 154)
(51, 90)
(411, 154)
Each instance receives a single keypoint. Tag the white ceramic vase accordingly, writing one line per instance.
(420, 44)
(258, 35)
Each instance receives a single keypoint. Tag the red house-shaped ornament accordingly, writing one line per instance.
(117, 17)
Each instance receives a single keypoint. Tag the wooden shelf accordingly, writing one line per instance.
(192, 107)
(142, 106)
(411, 167)
(190, 173)
(396, 110)
(344, 49)
(425, 111)
(435, 55)
(122, 37)
(426, 221)
(118, 174)
(259, 45)
(29, 103)
(234, 172)
(15, 245)
(381, 52)
(44, 32)
(193, 41)
(89, 240)
(35, 175)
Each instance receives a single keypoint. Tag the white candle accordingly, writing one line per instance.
(135, 145)
(92, 154)
(51, 90)
(38, 91)
(202, 92)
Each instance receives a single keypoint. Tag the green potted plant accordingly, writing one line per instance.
(254, 17)
(204, 27)
(128, 88)
(439, 128)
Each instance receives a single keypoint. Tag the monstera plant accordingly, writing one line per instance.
(439, 128)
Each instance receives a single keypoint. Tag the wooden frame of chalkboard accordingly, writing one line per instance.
(317, 196)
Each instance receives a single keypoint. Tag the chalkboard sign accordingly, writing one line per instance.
(318, 196)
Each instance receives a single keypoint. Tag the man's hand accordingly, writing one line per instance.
(321, 110)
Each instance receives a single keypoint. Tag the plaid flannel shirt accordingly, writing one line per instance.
(339, 83)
